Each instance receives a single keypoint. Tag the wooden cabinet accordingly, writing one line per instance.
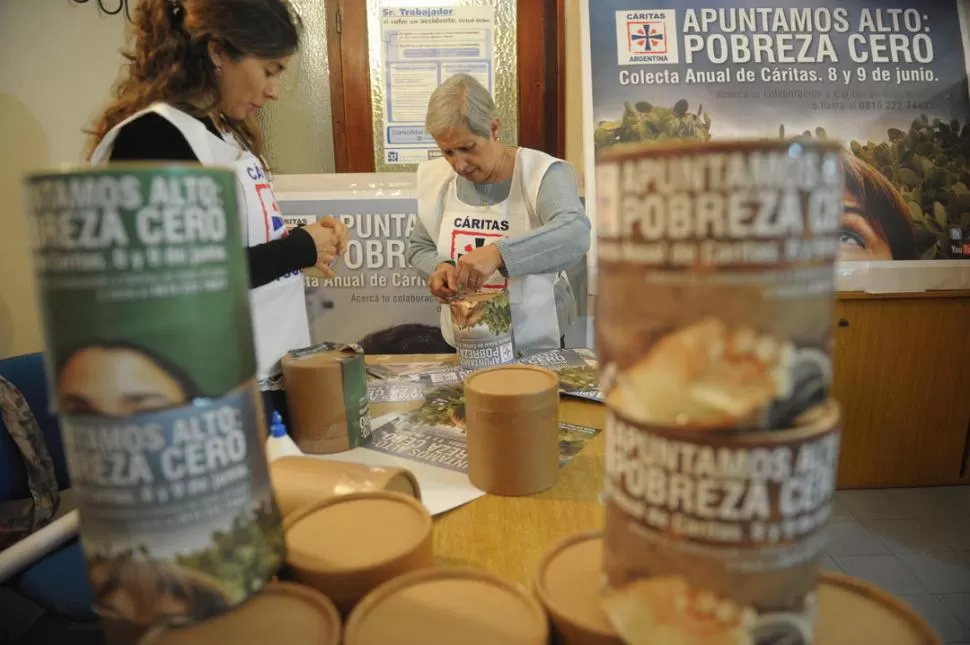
(902, 374)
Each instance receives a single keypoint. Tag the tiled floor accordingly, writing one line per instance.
(912, 542)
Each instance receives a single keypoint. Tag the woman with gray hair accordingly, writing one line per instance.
(492, 216)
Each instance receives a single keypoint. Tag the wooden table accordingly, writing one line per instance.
(509, 535)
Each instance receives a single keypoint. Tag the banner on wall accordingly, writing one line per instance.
(376, 299)
(889, 82)
(374, 291)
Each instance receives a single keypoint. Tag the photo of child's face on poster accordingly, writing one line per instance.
(118, 381)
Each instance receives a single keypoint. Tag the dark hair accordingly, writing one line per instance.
(169, 56)
(410, 338)
(882, 206)
(175, 372)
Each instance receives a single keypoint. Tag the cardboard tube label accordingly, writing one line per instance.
(483, 329)
(716, 271)
(705, 532)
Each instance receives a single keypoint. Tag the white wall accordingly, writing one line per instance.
(59, 60)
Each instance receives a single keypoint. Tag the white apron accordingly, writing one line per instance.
(459, 228)
(278, 308)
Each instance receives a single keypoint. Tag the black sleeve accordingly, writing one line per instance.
(152, 137)
(272, 260)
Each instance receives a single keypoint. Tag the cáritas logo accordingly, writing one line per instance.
(647, 37)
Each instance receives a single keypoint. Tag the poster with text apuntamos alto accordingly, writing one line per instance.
(889, 81)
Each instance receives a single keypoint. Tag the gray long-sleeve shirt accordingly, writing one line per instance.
(561, 240)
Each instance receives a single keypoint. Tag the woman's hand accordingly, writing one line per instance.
(339, 229)
(474, 268)
(327, 240)
(443, 282)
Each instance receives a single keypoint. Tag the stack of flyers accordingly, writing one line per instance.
(395, 391)
(434, 434)
(391, 370)
(578, 371)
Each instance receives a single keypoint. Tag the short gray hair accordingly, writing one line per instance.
(460, 102)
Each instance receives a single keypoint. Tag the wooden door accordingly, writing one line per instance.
(902, 375)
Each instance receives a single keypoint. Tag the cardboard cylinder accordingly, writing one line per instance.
(512, 429)
(141, 279)
(448, 607)
(482, 327)
(852, 611)
(326, 393)
(302, 481)
(569, 585)
(346, 546)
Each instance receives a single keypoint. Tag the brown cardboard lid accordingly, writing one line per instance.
(445, 607)
(569, 585)
(355, 532)
(852, 611)
(507, 383)
(318, 359)
(282, 613)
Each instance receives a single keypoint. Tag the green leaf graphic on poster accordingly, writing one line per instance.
(939, 211)
(915, 210)
(643, 121)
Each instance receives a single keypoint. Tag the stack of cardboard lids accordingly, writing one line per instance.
(348, 545)
(570, 581)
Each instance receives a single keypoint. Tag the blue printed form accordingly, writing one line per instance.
(421, 48)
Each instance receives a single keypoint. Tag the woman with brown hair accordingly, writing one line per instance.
(198, 72)
(876, 223)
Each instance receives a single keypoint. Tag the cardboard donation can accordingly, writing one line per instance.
(326, 393)
(512, 429)
(141, 275)
(716, 272)
(482, 326)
